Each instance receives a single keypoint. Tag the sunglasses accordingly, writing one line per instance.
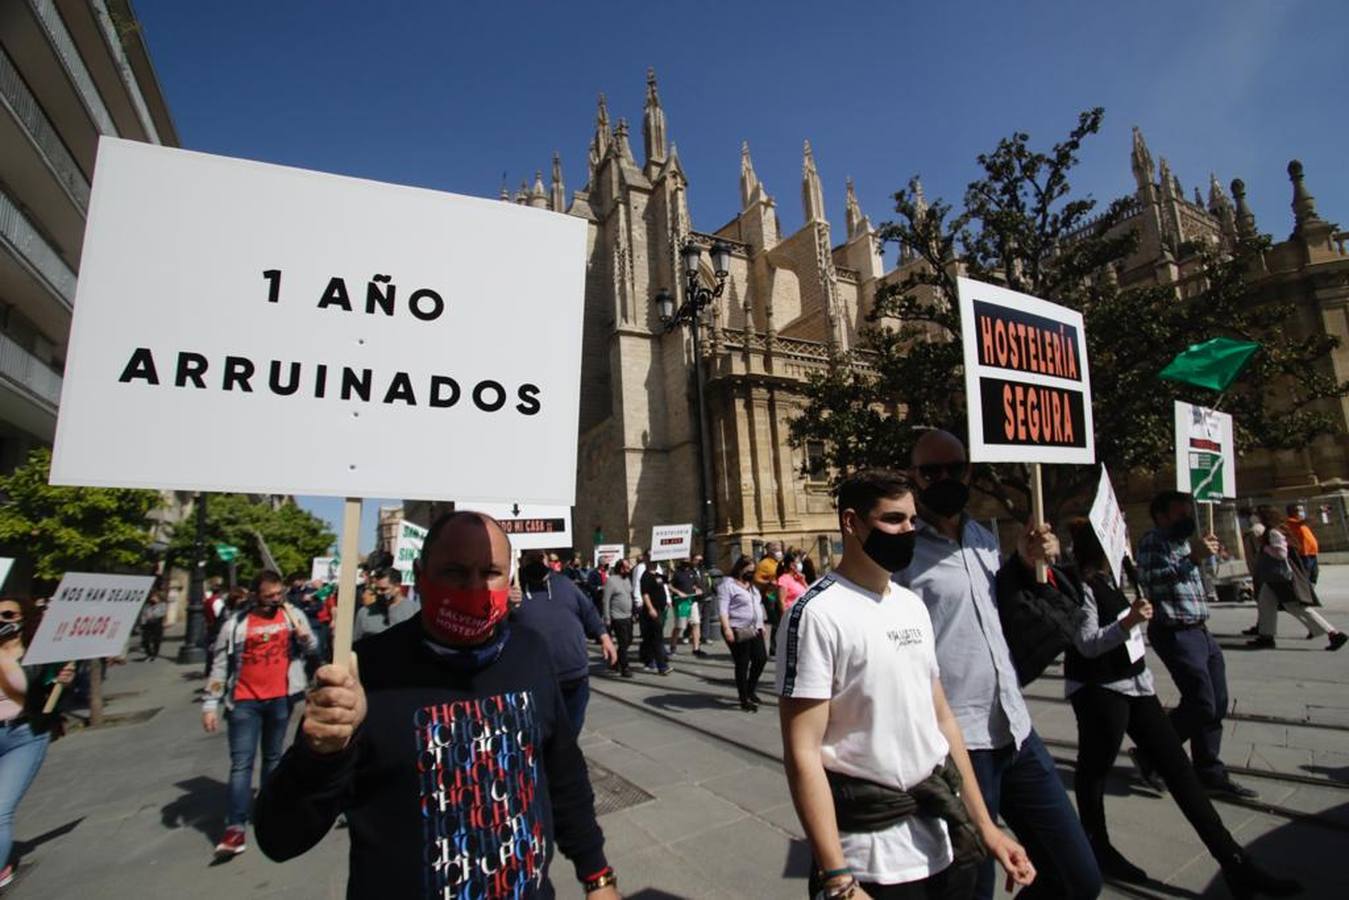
(934, 471)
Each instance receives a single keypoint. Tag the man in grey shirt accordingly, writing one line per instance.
(618, 604)
(390, 606)
(955, 564)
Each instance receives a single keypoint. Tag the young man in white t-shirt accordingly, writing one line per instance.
(862, 707)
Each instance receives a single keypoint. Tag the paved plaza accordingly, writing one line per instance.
(133, 809)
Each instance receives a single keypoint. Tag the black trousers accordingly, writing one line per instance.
(1103, 718)
(152, 635)
(750, 658)
(955, 882)
(654, 644)
(621, 629)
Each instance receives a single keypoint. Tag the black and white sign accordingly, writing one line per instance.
(1026, 381)
(531, 526)
(671, 542)
(412, 343)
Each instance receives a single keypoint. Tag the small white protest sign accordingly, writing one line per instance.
(89, 617)
(530, 526)
(671, 542)
(608, 554)
(1206, 459)
(6, 563)
(1107, 520)
(1027, 389)
(221, 290)
(324, 568)
(408, 547)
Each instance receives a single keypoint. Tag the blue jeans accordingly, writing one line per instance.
(576, 696)
(21, 755)
(1195, 661)
(1023, 786)
(249, 720)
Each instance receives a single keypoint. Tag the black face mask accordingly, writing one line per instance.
(10, 629)
(892, 552)
(945, 498)
(1182, 529)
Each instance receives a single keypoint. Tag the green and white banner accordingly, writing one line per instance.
(1206, 462)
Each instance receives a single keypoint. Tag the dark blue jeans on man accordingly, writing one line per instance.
(250, 721)
(1195, 661)
(576, 697)
(1024, 788)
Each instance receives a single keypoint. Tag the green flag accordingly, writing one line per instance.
(1213, 364)
(226, 552)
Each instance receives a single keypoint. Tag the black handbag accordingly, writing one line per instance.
(1303, 589)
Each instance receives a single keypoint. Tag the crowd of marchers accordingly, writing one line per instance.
(448, 742)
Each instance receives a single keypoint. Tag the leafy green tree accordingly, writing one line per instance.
(1021, 227)
(293, 535)
(73, 529)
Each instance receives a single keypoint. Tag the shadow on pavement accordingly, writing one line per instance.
(676, 702)
(799, 860)
(1334, 773)
(1308, 853)
(201, 807)
(23, 848)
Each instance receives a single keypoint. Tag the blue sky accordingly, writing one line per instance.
(451, 95)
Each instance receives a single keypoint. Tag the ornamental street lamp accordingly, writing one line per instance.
(698, 297)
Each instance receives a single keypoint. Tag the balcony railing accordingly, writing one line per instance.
(64, 46)
(15, 93)
(32, 247)
(22, 368)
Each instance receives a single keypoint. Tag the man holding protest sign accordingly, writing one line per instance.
(448, 747)
(954, 570)
(1169, 570)
(258, 673)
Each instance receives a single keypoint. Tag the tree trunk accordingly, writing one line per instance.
(95, 693)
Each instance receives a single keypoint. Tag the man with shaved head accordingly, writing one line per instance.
(954, 570)
(450, 751)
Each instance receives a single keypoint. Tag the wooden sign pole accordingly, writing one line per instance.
(346, 583)
(54, 696)
(1037, 500)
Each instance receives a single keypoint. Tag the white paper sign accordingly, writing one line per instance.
(1107, 520)
(608, 554)
(89, 617)
(1134, 643)
(408, 547)
(1027, 388)
(671, 542)
(531, 526)
(1206, 460)
(220, 290)
(324, 568)
(6, 563)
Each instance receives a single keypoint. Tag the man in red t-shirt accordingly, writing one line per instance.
(258, 672)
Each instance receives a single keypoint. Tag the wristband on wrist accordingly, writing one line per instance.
(835, 873)
(603, 878)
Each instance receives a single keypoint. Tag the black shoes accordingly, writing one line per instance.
(1225, 786)
(1337, 640)
(1146, 771)
(1261, 642)
(1246, 879)
(749, 706)
(1252, 631)
(626, 673)
(1115, 867)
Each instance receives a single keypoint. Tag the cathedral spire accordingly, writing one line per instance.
(856, 223)
(812, 194)
(1141, 162)
(1221, 209)
(621, 145)
(603, 134)
(750, 190)
(1245, 218)
(653, 122)
(1304, 204)
(1198, 197)
(558, 194)
(537, 197)
(505, 191)
(1168, 181)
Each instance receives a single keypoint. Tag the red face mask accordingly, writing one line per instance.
(461, 615)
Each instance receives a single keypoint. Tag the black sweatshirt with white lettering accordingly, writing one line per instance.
(458, 783)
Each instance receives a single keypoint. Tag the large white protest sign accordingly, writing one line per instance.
(1107, 520)
(408, 547)
(608, 554)
(324, 568)
(1027, 388)
(89, 617)
(220, 290)
(1206, 461)
(531, 526)
(671, 542)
